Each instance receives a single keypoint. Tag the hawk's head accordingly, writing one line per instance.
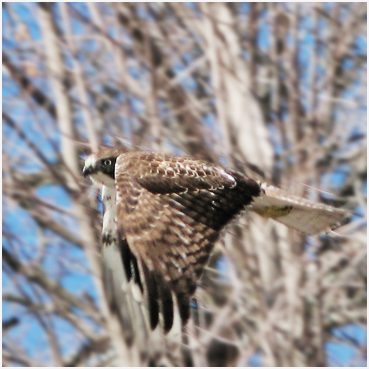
(100, 166)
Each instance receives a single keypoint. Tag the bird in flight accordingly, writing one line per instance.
(163, 214)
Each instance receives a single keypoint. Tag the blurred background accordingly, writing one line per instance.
(279, 86)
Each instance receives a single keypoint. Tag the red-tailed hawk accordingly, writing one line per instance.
(163, 214)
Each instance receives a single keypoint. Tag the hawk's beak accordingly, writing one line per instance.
(90, 166)
(87, 171)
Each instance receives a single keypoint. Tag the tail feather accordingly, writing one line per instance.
(296, 212)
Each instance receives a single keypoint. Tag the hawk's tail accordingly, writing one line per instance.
(296, 212)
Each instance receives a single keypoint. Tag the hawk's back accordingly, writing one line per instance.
(171, 210)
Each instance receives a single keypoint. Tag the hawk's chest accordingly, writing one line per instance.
(102, 179)
(110, 213)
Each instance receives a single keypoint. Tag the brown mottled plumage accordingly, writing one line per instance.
(169, 211)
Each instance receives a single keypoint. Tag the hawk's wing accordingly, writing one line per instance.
(170, 210)
(296, 212)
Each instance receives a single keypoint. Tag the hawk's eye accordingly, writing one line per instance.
(107, 166)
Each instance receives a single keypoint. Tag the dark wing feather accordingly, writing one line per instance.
(129, 263)
(166, 304)
(171, 210)
(153, 296)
